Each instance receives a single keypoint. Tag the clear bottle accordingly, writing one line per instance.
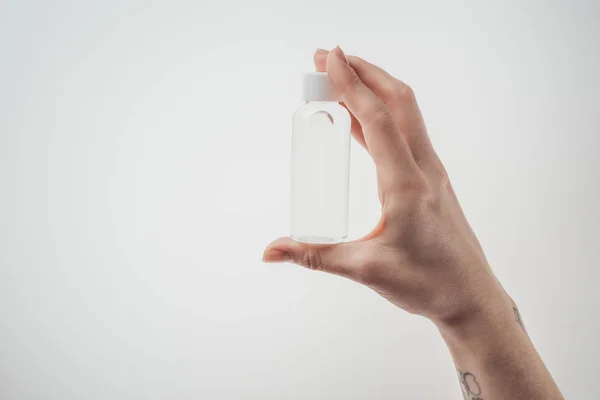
(320, 164)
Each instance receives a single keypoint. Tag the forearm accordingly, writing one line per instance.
(494, 357)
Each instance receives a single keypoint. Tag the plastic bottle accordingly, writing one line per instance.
(320, 164)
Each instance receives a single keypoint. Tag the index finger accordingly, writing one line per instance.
(320, 60)
(382, 136)
(401, 100)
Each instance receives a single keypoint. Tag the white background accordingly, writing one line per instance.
(144, 152)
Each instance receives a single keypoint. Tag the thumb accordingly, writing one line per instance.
(341, 259)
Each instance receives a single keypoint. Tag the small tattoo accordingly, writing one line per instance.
(518, 317)
(469, 385)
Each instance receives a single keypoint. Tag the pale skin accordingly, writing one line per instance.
(423, 256)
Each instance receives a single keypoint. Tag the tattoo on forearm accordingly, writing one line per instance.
(518, 317)
(469, 385)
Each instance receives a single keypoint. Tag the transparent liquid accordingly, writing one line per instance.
(320, 173)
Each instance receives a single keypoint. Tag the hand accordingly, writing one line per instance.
(422, 255)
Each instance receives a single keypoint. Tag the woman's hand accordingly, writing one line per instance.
(422, 256)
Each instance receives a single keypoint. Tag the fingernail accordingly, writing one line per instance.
(322, 51)
(272, 256)
(342, 55)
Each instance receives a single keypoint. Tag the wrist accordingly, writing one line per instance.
(490, 314)
(485, 331)
(492, 344)
(485, 323)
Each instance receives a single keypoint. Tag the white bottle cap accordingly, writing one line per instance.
(316, 87)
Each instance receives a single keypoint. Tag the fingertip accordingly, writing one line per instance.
(278, 250)
(340, 55)
(275, 255)
(337, 67)
(320, 59)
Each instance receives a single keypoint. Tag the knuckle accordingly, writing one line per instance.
(444, 180)
(380, 118)
(439, 179)
(416, 198)
(354, 80)
(428, 202)
(350, 85)
(382, 112)
(312, 259)
(402, 91)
